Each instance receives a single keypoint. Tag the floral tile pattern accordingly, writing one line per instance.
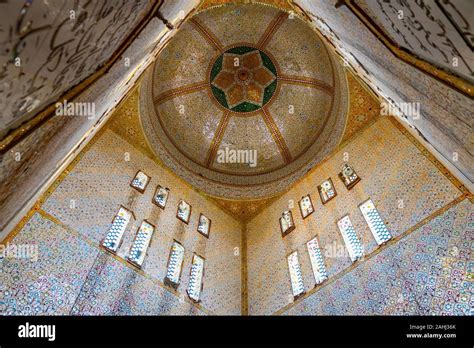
(50, 285)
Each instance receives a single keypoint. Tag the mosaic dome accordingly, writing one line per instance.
(243, 101)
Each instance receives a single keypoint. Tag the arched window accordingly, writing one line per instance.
(140, 181)
(161, 196)
(287, 223)
(184, 211)
(327, 191)
(306, 206)
(204, 225)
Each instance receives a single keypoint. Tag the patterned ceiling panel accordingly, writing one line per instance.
(288, 116)
(250, 133)
(231, 24)
(301, 53)
(242, 82)
(193, 53)
(199, 120)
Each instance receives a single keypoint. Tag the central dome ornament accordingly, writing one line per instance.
(251, 105)
(243, 79)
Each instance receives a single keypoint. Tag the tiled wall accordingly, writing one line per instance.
(86, 202)
(425, 273)
(404, 185)
(73, 277)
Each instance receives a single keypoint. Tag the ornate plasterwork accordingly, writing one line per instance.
(287, 100)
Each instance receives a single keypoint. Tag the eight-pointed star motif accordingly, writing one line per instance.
(243, 78)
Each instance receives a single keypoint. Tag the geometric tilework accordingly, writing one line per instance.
(50, 285)
(100, 182)
(57, 284)
(354, 247)
(375, 222)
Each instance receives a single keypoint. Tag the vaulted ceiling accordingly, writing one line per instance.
(238, 81)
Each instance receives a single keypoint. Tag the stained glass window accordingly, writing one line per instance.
(175, 264)
(204, 225)
(326, 191)
(286, 223)
(140, 244)
(296, 276)
(195, 278)
(317, 263)
(184, 211)
(375, 222)
(161, 196)
(306, 206)
(351, 240)
(140, 181)
(348, 176)
(114, 236)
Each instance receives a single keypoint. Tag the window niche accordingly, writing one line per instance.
(204, 225)
(317, 262)
(353, 245)
(286, 223)
(140, 181)
(306, 206)
(296, 276)
(114, 237)
(327, 191)
(196, 275)
(375, 222)
(175, 265)
(140, 244)
(348, 176)
(184, 211)
(161, 196)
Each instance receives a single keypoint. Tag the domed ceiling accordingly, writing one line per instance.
(243, 101)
